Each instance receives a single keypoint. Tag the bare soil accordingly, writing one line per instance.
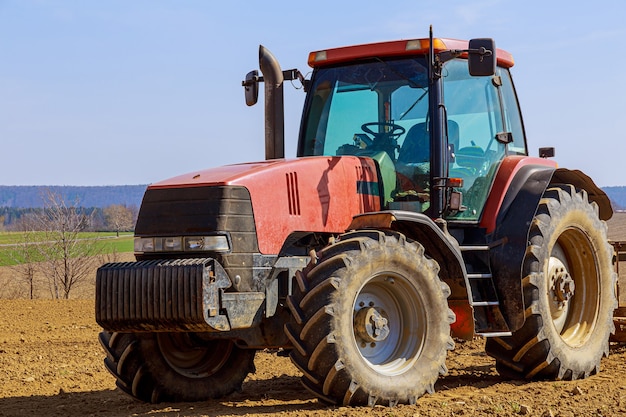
(53, 365)
(617, 226)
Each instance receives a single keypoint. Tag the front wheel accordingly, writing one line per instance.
(569, 293)
(175, 367)
(371, 321)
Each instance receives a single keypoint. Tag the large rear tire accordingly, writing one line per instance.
(371, 323)
(569, 293)
(175, 367)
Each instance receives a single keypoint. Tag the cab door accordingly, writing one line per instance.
(484, 126)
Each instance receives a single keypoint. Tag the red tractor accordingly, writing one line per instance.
(411, 215)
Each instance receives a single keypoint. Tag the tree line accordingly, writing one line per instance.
(89, 196)
(617, 196)
(112, 218)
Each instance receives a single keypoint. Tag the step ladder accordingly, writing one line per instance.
(488, 318)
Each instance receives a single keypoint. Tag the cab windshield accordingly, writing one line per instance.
(380, 109)
(378, 94)
(369, 109)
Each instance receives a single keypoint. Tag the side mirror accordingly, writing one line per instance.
(251, 87)
(482, 57)
(546, 152)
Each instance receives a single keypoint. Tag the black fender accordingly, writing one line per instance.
(509, 240)
(437, 244)
(582, 181)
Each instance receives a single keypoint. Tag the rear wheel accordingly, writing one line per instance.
(173, 367)
(371, 321)
(569, 293)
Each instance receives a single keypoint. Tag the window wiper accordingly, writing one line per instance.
(413, 105)
(408, 80)
(399, 74)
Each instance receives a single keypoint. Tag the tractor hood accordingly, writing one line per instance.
(224, 175)
(312, 194)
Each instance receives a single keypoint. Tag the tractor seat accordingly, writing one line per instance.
(416, 146)
(472, 157)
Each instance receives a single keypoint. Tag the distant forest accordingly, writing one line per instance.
(617, 196)
(93, 202)
(14, 196)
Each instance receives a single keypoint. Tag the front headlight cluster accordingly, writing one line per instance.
(216, 243)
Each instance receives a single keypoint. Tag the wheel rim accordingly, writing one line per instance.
(573, 287)
(190, 358)
(389, 322)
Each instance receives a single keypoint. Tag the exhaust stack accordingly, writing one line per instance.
(274, 105)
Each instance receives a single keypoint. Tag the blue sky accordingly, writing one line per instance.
(132, 92)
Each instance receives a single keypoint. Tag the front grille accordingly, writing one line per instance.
(198, 211)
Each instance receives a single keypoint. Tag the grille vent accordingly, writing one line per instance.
(293, 193)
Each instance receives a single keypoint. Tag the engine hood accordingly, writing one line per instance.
(311, 194)
(224, 175)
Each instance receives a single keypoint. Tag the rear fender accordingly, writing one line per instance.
(508, 233)
(582, 181)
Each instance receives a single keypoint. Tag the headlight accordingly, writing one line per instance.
(144, 244)
(209, 243)
(217, 243)
(172, 244)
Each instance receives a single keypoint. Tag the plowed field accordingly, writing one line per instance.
(52, 364)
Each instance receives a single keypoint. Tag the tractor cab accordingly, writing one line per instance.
(437, 132)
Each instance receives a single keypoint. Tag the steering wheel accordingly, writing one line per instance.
(395, 132)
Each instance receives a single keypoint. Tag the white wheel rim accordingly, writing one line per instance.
(390, 324)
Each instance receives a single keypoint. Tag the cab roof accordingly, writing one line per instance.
(400, 48)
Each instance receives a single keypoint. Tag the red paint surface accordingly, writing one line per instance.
(508, 168)
(397, 48)
(314, 194)
(463, 327)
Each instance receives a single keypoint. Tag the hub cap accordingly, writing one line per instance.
(573, 287)
(389, 323)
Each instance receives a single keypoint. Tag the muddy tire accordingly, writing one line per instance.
(569, 293)
(175, 367)
(371, 323)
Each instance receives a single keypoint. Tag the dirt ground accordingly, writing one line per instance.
(52, 364)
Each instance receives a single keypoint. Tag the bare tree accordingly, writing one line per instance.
(119, 218)
(26, 252)
(68, 259)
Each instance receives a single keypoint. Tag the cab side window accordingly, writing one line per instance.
(512, 114)
(474, 108)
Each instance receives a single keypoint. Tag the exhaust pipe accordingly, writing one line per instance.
(274, 105)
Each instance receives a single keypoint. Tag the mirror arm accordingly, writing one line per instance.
(295, 74)
(289, 75)
(446, 56)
